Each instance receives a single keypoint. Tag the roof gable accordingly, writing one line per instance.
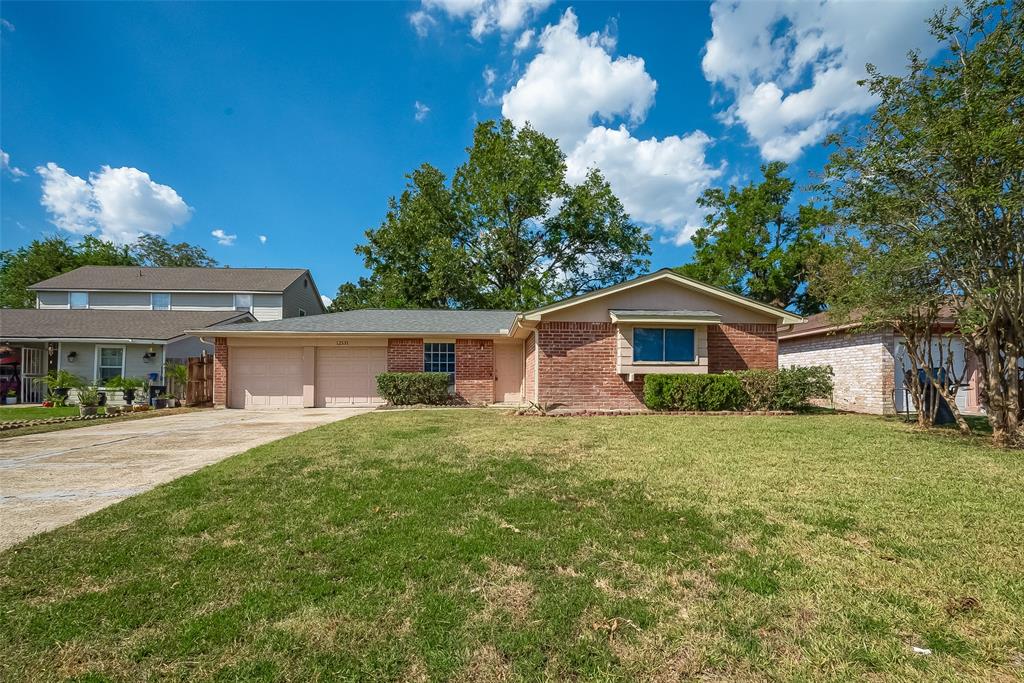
(669, 276)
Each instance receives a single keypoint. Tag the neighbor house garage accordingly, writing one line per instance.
(588, 352)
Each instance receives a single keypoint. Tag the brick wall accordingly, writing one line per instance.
(405, 355)
(577, 368)
(742, 346)
(474, 370)
(220, 372)
(530, 368)
(863, 364)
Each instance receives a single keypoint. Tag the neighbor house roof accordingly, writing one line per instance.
(822, 323)
(387, 321)
(134, 278)
(784, 317)
(141, 326)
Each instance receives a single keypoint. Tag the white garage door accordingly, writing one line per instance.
(265, 377)
(347, 376)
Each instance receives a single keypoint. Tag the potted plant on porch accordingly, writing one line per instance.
(88, 400)
(11, 398)
(128, 387)
(58, 384)
(177, 374)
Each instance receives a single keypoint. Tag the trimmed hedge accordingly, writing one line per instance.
(785, 389)
(412, 388)
(693, 392)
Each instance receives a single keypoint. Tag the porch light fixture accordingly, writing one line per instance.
(72, 355)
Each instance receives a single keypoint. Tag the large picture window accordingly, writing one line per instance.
(110, 363)
(440, 357)
(663, 345)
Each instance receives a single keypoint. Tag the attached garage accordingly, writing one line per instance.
(347, 375)
(265, 377)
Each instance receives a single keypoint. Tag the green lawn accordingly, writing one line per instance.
(35, 413)
(479, 546)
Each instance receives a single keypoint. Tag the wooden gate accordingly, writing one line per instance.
(200, 381)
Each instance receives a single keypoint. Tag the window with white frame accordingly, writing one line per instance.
(663, 345)
(78, 299)
(109, 364)
(440, 357)
(302, 313)
(160, 301)
(243, 302)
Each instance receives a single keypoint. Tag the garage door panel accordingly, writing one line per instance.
(348, 376)
(265, 377)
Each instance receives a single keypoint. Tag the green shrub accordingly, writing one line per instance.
(411, 388)
(693, 392)
(785, 389)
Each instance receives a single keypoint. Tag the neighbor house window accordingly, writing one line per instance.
(440, 357)
(243, 302)
(79, 299)
(302, 313)
(663, 345)
(110, 363)
(161, 301)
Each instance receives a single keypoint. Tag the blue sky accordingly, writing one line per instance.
(296, 122)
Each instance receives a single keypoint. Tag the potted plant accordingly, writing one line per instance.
(113, 410)
(128, 387)
(161, 401)
(178, 375)
(88, 400)
(11, 398)
(58, 384)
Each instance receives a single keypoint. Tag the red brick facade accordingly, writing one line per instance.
(743, 346)
(220, 372)
(577, 368)
(405, 355)
(474, 370)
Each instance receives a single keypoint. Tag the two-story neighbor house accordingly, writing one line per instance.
(99, 322)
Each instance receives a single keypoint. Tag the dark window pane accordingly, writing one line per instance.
(679, 345)
(648, 344)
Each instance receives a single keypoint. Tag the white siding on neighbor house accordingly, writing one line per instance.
(625, 365)
(863, 367)
(51, 299)
(129, 301)
(266, 306)
(202, 301)
(135, 364)
(301, 294)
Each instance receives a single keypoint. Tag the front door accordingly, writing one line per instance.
(508, 371)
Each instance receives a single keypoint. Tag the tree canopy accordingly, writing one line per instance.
(753, 244)
(507, 231)
(49, 257)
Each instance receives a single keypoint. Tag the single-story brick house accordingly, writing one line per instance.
(869, 365)
(588, 352)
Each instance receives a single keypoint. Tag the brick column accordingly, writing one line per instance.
(405, 355)
(474, 370)
(220, 372)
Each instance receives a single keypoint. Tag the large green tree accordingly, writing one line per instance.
(754, 244)
(508, 231)
(941, 165)
(46, 258)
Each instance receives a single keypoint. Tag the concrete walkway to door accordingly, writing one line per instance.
(49, 480)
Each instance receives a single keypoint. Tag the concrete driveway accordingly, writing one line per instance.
(48, 480)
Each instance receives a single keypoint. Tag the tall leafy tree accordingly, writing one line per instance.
(46, 258)
(507, 231)
(941, 164)
(753, 244)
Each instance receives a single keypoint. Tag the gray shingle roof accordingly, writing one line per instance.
(389, 321)
(174, 279)
(33, 323)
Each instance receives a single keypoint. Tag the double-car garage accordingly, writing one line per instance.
(297, 376)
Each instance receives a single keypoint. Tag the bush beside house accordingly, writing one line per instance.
(786, 389)
(414, 388)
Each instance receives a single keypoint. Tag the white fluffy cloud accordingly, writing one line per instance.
(421, 110)
(263, 239)
(791, 68)
(484, 16)
(5, 164)
(524, 41)
(223, 238)
(575, 79)
(118, 203)
(574, 82)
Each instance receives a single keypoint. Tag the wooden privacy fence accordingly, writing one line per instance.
(200, 381)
